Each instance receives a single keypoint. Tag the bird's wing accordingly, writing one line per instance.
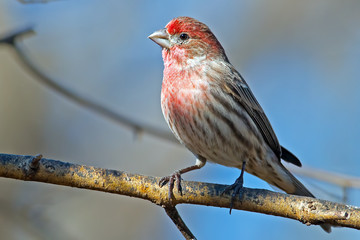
(240, 91)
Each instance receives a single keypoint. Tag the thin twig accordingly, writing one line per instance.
(180, 224)
(34, 164)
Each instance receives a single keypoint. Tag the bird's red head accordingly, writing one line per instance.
(189, 38)
(189, 25)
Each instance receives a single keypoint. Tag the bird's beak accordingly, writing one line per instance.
(161, 37)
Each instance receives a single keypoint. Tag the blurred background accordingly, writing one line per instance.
(301, 59)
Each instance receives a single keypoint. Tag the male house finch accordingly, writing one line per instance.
(211, 110)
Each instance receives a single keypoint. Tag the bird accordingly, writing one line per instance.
(212, 111)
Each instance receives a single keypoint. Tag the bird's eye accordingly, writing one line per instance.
(184, 36)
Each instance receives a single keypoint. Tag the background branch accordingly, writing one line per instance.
(304, 209)
(86, 102)
(341, 180)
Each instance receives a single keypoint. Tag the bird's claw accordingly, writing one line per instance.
(172, 179)
(237, 187)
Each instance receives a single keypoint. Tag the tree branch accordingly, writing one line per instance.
(304, 209)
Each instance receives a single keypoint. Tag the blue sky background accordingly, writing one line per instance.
(301, 59)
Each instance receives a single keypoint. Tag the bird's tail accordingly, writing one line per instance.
(301, 190)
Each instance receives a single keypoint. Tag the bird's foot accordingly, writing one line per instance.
(173, 179)
(237, 190)
(236, 187)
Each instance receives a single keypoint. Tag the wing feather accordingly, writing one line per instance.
(241, 92)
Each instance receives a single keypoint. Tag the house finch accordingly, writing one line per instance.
(211, 110)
